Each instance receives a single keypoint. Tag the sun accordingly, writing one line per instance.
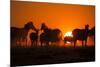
(68, 34)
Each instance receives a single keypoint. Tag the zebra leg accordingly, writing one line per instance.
(82, 44)
(47, 43)
(35, 43)
(85, 43)
(71, 43)
(26, 41)
(41, 43)
(14, 43)
(64, 41)
(75, 42)
(31, 43)
(20, 44)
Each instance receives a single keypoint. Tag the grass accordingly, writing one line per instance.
(51, 55)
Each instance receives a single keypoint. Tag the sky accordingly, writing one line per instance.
(65, 17)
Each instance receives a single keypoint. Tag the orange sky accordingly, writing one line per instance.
(63, 16)
(66, 17)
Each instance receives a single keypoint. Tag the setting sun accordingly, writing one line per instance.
(65, 17)
(68, 34)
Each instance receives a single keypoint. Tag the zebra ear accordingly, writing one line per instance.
(43, 24)
(30, 22)
(86, 25)
(26, 25)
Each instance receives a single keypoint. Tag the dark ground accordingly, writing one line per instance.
(51, 55)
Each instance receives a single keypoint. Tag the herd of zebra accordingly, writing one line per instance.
(48, 35)
(82, 35)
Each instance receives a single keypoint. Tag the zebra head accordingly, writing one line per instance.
(30, 25)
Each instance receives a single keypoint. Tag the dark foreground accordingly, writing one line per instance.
(51, 55)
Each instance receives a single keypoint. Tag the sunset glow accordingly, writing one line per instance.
(68, 34)
(46, 33)
(65, 17)
(68, 42)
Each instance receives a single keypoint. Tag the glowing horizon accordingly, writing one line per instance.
(68, 34)
(62, 16)
(65, 17)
